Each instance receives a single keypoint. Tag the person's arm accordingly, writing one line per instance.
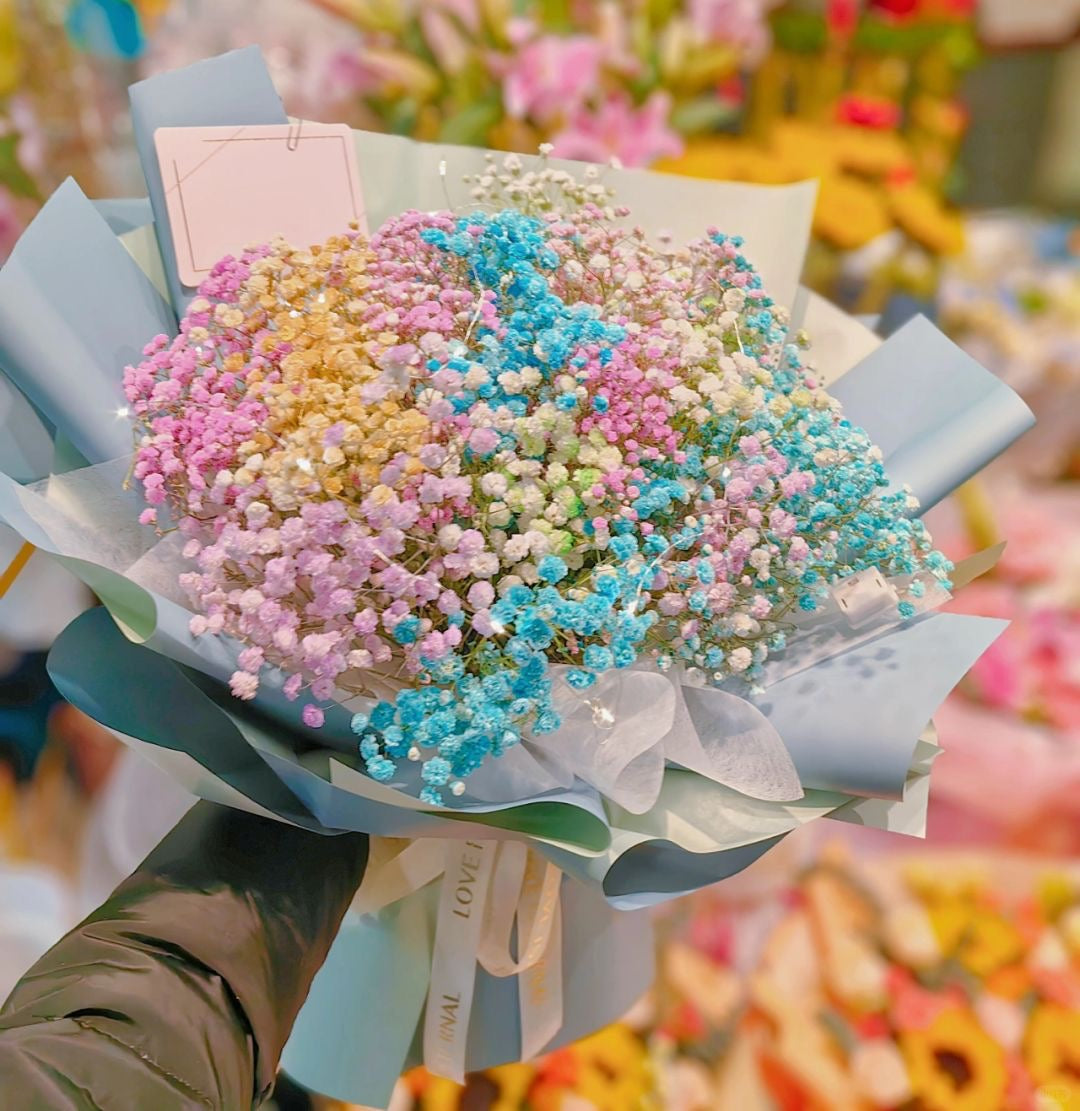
(181, 990)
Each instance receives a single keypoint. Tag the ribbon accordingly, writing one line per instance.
(492, 891)
(525, 889)
(15, 568)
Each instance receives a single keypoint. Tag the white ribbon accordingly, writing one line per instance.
(458, 929)
(488, 889)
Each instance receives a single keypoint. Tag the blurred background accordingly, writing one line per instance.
(845, 970)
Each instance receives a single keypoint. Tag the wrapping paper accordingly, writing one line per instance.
(68, 303)
(947, 421)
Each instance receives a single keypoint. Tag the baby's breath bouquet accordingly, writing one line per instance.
(482, 460)
(519, 536)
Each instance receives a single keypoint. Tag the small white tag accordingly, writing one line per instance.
(864, 596)
(227, 188)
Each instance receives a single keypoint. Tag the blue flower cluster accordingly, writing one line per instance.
(465, 716)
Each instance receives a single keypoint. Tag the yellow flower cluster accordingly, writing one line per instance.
(865, 184)
(315, 301)
(608, 1071)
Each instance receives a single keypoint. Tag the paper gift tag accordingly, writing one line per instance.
(227, 188)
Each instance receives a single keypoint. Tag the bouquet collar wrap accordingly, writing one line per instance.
(657, 784)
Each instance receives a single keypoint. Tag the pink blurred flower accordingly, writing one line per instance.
(32, 143)
(913, 1006)
(11, 223)
(712, 932)
(636, 136)
(1055, 662)
(1041, 522)
(551, 76)
(1033, 669)
(445, 24)
(1043, 527)
(998, 774)
(348, 74)
(741, 23)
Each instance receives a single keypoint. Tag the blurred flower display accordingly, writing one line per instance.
(598, 80)
(1013, 301)
(311, 56)
(1023, 698)
(930, 982)
(610, 1071)
(21, 148)
(863, 96)
(948, 983)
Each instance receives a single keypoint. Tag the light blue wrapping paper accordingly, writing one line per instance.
(699, 832)
(75, 309)
(946, 416)
(26, 441)
(386, 956)
(896, 682)
(234, 88)
(374, 984)
(125, 214)
(163, 704)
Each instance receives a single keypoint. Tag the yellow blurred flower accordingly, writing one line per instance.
(981, 939)
(722, 159)
(934, 884)
(10, 47)
(1052, 1052)
(852, 165)
(807, 148)
(506, 1088)
(1057, 891)
(950, 919)
(850, 213)
(954, 1064)
(927, 219)
(872, 153)
(991, 942)
(151, 10)
(945, 118)
(609, 1070)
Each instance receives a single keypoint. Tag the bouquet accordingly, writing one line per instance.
(514, 534)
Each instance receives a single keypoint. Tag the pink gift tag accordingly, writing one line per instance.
(227, 188)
